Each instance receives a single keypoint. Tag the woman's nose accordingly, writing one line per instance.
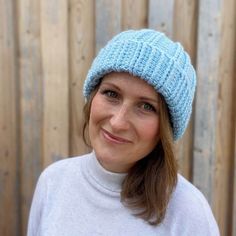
(120, 119)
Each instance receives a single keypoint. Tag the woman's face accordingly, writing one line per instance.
(124, 121)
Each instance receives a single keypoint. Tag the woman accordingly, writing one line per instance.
(139, 93)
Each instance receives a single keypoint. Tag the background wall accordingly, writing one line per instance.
(46, 48)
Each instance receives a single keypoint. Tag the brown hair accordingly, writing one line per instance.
(149, 184)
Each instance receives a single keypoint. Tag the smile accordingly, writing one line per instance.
(114, 139)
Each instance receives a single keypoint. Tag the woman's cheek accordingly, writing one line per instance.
(149, 129)
(99, 107)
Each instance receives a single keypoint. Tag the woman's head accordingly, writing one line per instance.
(124, 121)
(125, 117)
(154, 58)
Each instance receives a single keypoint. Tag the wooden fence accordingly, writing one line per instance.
(46, 48)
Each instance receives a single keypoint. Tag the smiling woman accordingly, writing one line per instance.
(139, 92)
(124, 123)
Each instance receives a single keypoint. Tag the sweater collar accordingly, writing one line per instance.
(106, 179)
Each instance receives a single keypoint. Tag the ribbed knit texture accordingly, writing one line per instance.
(78, 197)
(159, 61)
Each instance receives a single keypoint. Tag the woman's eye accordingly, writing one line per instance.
(110, 93)
(148, 107)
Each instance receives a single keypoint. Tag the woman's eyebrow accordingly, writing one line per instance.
(148, 99)
(111, 84)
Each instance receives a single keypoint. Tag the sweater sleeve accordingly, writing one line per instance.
(37, 206)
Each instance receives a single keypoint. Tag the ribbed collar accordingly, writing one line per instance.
(106, 179)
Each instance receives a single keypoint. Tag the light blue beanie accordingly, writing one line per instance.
(153, 57)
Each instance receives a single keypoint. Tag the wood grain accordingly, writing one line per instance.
(134, 14)
(108, 21)
(225, 127)
(9, 194)
(233, 213)
(30, 76)
(206, 103)
(233, 184)
(82, 50)
(54, 38)
(161, 16)
(213, 147)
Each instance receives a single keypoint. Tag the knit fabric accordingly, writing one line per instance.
(78, 197)
(153, 57)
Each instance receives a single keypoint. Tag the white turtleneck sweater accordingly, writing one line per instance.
(78, 197)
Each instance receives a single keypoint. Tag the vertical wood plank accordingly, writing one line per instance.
(206, 103)
(233, 203)
(82, 50)
(213, 147)
(134, 14)
(185, 31)
(54, 38)
(222, 206)
(108, 21)
(9, 195)
(233, 213)
(161, 16)
(30, 76)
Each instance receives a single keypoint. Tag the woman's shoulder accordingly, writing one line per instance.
(189, 207)
(63, 168)
(188, 192)
(189, 198)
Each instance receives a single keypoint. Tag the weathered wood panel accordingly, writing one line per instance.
(206, 102)
(108, 20)
(161, 16)
(30, 76)
(233, 212)
(134, 14)
(54, 38)
(213, 130)
(225, 127)
(234, 176)
(82, 50)
(9, 194)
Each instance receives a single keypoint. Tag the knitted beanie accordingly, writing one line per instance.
(153, 57)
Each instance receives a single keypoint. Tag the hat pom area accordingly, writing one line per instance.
(156, 59)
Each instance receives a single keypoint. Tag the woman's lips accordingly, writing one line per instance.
(113, 138)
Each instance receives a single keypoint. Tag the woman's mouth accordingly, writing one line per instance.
(113, 138)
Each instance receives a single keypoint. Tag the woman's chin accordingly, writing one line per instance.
(111, 161)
